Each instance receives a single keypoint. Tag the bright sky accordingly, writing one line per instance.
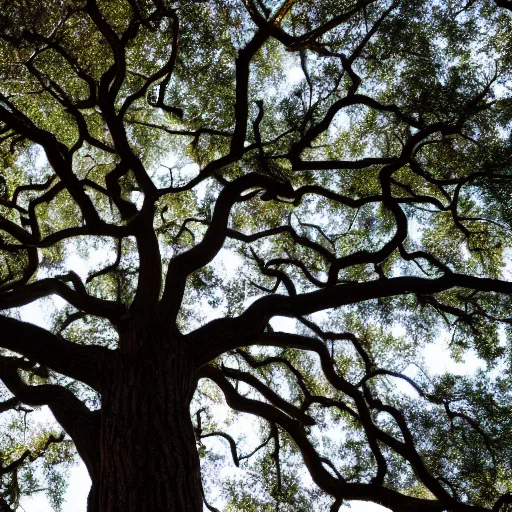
(436, 358)
(76, 496)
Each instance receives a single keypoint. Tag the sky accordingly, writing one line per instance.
(435, 356)
(79, 482)
(76, 497)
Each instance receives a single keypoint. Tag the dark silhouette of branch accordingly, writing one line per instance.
(84, 363)
(116, 110)
(27, 454)
(228, 334)
(78, 421)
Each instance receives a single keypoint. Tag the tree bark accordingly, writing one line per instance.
(149, 460)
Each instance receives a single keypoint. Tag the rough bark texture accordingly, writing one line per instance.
(149, 461)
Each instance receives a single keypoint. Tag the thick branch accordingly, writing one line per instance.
(184, 264)
(84, 363)
(226, 334)
(78, 298)
(76, 419)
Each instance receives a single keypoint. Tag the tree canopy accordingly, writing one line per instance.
(178, 176)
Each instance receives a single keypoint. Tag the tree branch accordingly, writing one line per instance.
(84, 363)
(222, 335)
(78, 421)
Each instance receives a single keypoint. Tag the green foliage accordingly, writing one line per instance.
(40, 465)
(398, 141)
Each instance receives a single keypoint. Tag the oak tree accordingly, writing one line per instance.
(182, 175)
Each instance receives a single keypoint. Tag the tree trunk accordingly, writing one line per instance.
(149, 460)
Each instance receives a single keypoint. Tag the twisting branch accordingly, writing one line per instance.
(31, 456)
(268, 394)
(54, 286)
(229, 439)
(338, 488)
(164, 73)
(113, 107)
(200, 255)
(78, 421)
(321, 476)
(226, 334)
(9, 404)
(84, 363)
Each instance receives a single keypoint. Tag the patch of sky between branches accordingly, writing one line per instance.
(436, 356)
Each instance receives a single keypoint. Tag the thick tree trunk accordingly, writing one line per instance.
(149, 460)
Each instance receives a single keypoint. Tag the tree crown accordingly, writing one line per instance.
(216, 165)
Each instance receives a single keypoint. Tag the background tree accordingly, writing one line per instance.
(182, 173)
